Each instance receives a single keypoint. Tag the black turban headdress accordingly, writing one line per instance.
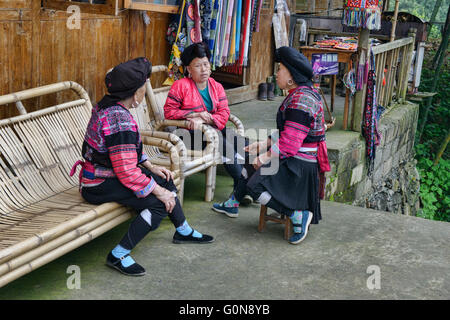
(125, 79)
(195, 50)
(297, 64)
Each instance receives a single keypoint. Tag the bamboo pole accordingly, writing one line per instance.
(394, 21)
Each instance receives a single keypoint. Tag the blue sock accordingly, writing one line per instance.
(119, 252)
(232, 202)
(185, 230)
(296, 218)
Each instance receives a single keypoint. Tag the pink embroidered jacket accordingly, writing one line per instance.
(184, 98)
(301, 125)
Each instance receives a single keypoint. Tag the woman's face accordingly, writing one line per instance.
(199, 69)
(283, 77)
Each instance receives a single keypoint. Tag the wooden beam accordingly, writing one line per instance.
(151, 7)
(359, 98)
(394, 20)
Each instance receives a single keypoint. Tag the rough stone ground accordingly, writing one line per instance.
(411, 254)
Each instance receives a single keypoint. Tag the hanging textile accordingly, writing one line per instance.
(238, 27)
(175, 70)
(232, 50)
(226, 40)
(362, 14)
(213, 24)
(206, 7)
(370, 121)
(193, 23)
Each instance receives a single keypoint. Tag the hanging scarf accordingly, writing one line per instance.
(206, 7)
(370, 123)
(245, 35)
(212, 28)
(232, 50)
(238, 27)
(226, 38)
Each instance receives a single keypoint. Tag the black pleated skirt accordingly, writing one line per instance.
(295, 185)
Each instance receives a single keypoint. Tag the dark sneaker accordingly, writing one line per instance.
(299, 237)
(179, 238)
(133, 270)
(246, 201)
(232, 212)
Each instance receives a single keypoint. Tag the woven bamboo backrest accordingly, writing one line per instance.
(38, 149)
(157, 97)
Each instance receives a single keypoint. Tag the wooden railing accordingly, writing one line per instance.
(393, 63)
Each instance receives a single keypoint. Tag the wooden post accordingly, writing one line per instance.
(394, 21)
(406, 65)
(360, 96)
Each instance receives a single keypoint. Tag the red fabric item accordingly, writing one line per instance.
(184, 98)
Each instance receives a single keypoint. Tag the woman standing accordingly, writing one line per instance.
(116, 169)
(300, 149)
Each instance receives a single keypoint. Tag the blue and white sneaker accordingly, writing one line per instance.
(306, 221)
(232, 212)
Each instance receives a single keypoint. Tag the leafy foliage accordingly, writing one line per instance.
(434, 179)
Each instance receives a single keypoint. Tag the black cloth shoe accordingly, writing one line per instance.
(262, 92)
(270, 91)
(179, 238)
(115, 263)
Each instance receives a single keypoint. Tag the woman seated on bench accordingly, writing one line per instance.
(296, 157)
(116, 169)
(199, 99)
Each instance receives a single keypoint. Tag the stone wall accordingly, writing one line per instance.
(394, 183)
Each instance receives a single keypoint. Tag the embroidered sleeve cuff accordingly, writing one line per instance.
(147, 190)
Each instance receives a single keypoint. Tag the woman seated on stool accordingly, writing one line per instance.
(116, 169)
(300, 149)
(199, 99)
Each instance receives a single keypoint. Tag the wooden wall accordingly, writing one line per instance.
(37, 48)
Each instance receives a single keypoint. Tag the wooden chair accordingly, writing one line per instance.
(42, 214)
(283, 219)
(191, 161)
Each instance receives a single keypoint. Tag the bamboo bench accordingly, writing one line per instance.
(42, 214)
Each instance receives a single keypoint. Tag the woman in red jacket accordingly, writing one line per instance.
(200, 99)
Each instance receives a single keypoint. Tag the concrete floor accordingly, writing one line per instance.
(353, 253)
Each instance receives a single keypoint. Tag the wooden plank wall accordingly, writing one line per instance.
(37, 48)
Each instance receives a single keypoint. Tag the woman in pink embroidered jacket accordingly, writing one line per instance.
(116, 169)
(288, 173)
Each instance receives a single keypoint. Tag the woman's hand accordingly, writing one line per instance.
(165, 196)
(259, 161)
(195, 123)
(256, 147)
(162, 172)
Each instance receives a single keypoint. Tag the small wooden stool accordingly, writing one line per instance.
(263, 217)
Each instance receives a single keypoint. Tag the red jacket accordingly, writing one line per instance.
(184, 98)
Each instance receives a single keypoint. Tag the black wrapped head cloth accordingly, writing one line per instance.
(195, 50)
(126, 78)
(297, 64)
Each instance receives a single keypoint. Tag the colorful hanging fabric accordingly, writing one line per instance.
(258, 16)
(212, 28)
(206, 7)
(192, 21)
(238, 27)
(175, 70)
(362, 14)
(232, 50)
(246, 31)
(370, 121)
(226, 39)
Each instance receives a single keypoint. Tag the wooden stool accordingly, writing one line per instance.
(263, 217)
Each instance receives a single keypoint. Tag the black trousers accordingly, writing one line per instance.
(231, 145)
(113, 190)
